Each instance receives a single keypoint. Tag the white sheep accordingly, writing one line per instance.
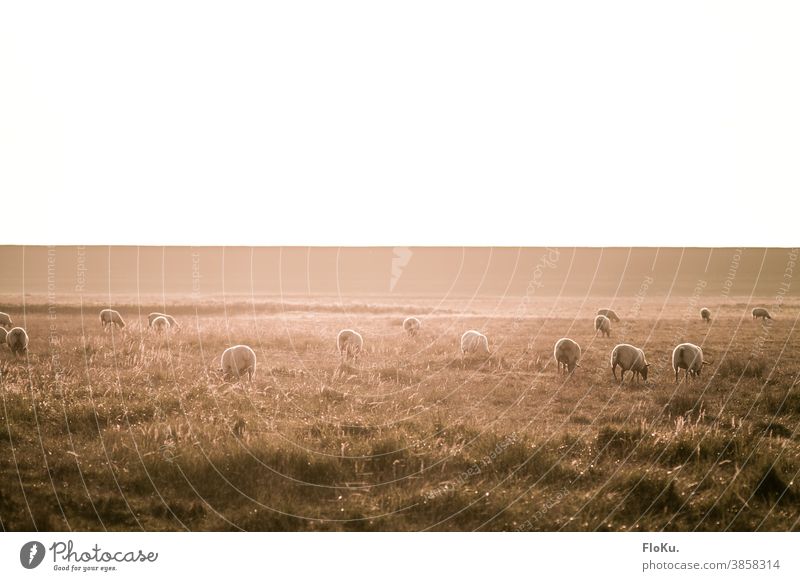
(110, 317)
(567, 353)
(705, 314)
(689, 357)
(160, 324)
(602, 324)
(238, 360)
(609, 313)
(474, 342)
(3, 335)
(411, 326)
(5, 320)
(629, 358)
(761, 313)
(17, 340)
(170, 319)
(349, 343)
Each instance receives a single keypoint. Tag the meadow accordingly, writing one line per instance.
(127, 430)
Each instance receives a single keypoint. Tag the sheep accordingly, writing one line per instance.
(160, 324)
(349, 343)
(474, 342)
(629, 358)
(3, 335)
(761, 313)
(567, 353)
(111, 317)
(5, 320)
(609, 313)
(689, 357)
(603, 324)
(17, 340)
(238, 360)
(411, 326)
(170, 319)
(705, 314)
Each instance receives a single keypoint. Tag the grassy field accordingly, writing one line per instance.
(129, 431)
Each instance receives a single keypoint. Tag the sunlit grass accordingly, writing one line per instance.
(128, 430)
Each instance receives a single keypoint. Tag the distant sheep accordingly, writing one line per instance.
(705, 314)
(238, 360)
(160, 324)
(689, 357)
(629, 358)
(473, 342)
(17, 340)
(411, 326)
(349, 343)
(170, 319)
(761, 313)
(5, 320)
(3, 335)
(610, 314)
(602, 324)
(567, 353)
(111, 317)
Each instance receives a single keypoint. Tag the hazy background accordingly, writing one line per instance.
(437, 271)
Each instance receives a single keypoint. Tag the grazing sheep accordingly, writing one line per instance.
(3, 335)
(706, 314)
(111, 317)
(474, 342)
(610, 314)
(349, 343)
(689, 357)
(160, 324)
(629, 358)
(602, 324)
(761, 313)
(567, 353)
(411, 326)
(238, 360)
(17, 340)
(170, 319)
(5, 320)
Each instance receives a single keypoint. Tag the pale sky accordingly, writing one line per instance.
(419, 122)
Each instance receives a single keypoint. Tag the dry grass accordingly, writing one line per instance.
(124, 432)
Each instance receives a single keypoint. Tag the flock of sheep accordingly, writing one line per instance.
(240, 360)
(687, 356)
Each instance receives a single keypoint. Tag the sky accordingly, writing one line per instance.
(444, 122)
